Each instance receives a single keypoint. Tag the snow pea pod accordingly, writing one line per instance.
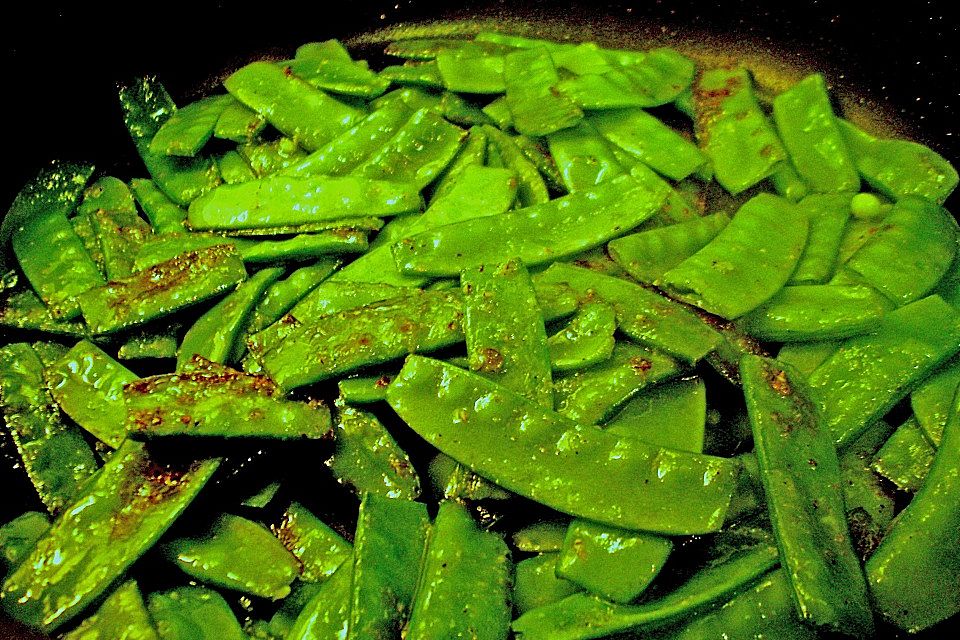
(284, 200)
(281, 296)
(536, 107)
(911, 253)
(906, 457)
(295, 108)
(268, 158)
(800, 472)
(22, 309)
(422, 75)
(117, 515)
(541, 537)
(536, 584)
(186, 131)
(368, 459)
(365, 389)
(88, 386)
(234, 168)
(869, 504)
(218, 403)
(732, 129)
(466, 72)
(931, 401)
(828, 215)
(453, 481)
(193, 613)
(463, 587)
(539, 234)
(472, 152)
(681, 492)
(162, 289)
(805, 357)
(869, 374)
(337, 75)
(745, 264)
(672, 414)
(642, 315)
(320, 550)
(327, 614)
(146, 105)
(122, 615)
(582, 156)
(531, 189)
(239, 123)
(587, 340)
(236, 554)
(164, 215)
(816, 312)
(499, 111)
(811, 134)
(20, 535)
(649, 254)
(55, 456)
(915, 573)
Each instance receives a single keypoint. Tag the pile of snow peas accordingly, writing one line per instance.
(514, 338)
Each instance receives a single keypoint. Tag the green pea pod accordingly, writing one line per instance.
(269, 158)
(550, 459)
(193, 613)
(868, 502)
(121, 234)
(281, 296)
(189, 128)
(906, 457)
(732, 129)
(345, 226)
(453, 481)
(424, 75)
(160, 290)
(462, 591)
(672, 414)
(499, 111)
(642, 315)
(283, 200)
(364, 389)
(332, 50)
(745, 264)
(915, 573)
(327, 614)
(649, 254)
(108, 193)
(122, 615)
(368, 459)
(543, 233)
(678, 207)
(117, 515)
(218, 403)
(146, 107)
(466, 72)
(239, 123)
(583, 157)
(536, 107)
(900, 168)
(236, 554)
(88, 385)
(216, 333)
(83, 226)
(320, 550)
(337, 75)
(812, 136)
(531, 189)
(234, 168)
(20, 535)
(801, 480)
(536, 584)
(537, 152)
(22, 309)
(788, 183)
(587, 340)
(55, 456)
(869, 374)
(164, 215)
(146, 345)
(390, 538)
(541, 537)
(472, 152)
(911, 253)
(931, 401)
(828, 215)
(805, 357)
(581, 617)
(295, 108)
(413, 97)
(816, 312)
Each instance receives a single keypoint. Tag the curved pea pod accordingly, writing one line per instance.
(550, 459)
(906, 457)
(801, 480)
(581, 616)
(164, 215)
(462, 112)
(763, 611)
(583, 157)
(915, 573)
(122, 615)
(365, 389)
(536, 107)
(672, 414)
(88, 386)
(218, 403)
(453, 481)
(236, 554)
(911, 253)
(269, 158)
(531, 188)
(119, 513)
(320, 550)
(642, 315)
(186, 131)
(931, 401)
(828, 215)
(215, 334)
(536, 584)
(337, 75)
(649, 254)
(812, 136)
(146, 106)
(239, 123)
(163, 289)
(327, 613)
(283, 295)
(746, 263)
(368, 459)
(868, 374)
(816, 312)
(296, 109)
(593, 395)
(472, 152)
(22, 309)
(57, 459)
(587, 340)
(732, 129)
(19, 536)
(121, 234)
(900, 168)
(286, 200)
(193, 613)
(463, 586)
(541, 537)
(424, 75)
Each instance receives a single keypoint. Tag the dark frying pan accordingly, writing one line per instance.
(63, 60)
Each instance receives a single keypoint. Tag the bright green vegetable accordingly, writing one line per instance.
(164, 215)
(931, 401)
(234, 168)
(587, 340)
(537, 109)
(239, 123)
(327, 614)
(583, 157)
(906, 457)
(541, 537)
(281, 296)
(186, 131)
(20, 535)
(531, 188)
(122, 615)
(193, 613)
(320, 550)
(866, 206)
(828, 215)
(536, 584)
(671, 414)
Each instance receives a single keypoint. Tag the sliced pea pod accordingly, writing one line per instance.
(239, 123)
(117, 515)
(531, 189)
(164, 214)
(368, 459)
(788, 183)
(466, 72)
(234, 168)
(537, 152)
(20, 535)
(163, 289)
(120, 234)
(88, 386)
(672, 414)
(541, 537)
(320, 550)
(122, 615)
(219, 403)
(687, 492)
(906, 457)
(193, 613)
(536, 584)
(931, 401)
(828, 215)
(583, 157)
(338, 75)
(472, 152)
(268, 158)
(365, 389)
(283, 295)
(801, 480)
(236, 554)
(587, 340)
(22, 309)
(188, 129)
(536, 107)
(745, 264)
(869, 374)
(327, 614)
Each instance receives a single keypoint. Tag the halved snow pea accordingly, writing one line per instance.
(537, 108)
(281, 296)
(239, 123)
(122, 615)
(583, 157)
(234, 167)
(320, 550)
(828, 215)
(932, 400)
(535, 583)
(672, 414)
(164, 215)
(121, 233)
(587, 340)
(269, 158)
(193, 613)
(531, 188)
(188, 129)
(905, 458)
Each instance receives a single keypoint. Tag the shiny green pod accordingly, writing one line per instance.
(21, 308)
(327, 614)
(122, 615)
(320, 550)
(671, 414)
(582, 156)
(473, 152)
(234, 168)
(239, 123)
(418, 75)
(271, 157)
(164, 214)
(535, 582)
(364, 389)
(120, 234)
(149, 345)
(338, 74)
(283, 295)
(193, 613)
(828, 215)
(906, 457)
(467, 72)
(544, 536)
(189, 128)
(19, 536)
(531, 188)
(586, 340)
(536, 107)
(931, 401)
